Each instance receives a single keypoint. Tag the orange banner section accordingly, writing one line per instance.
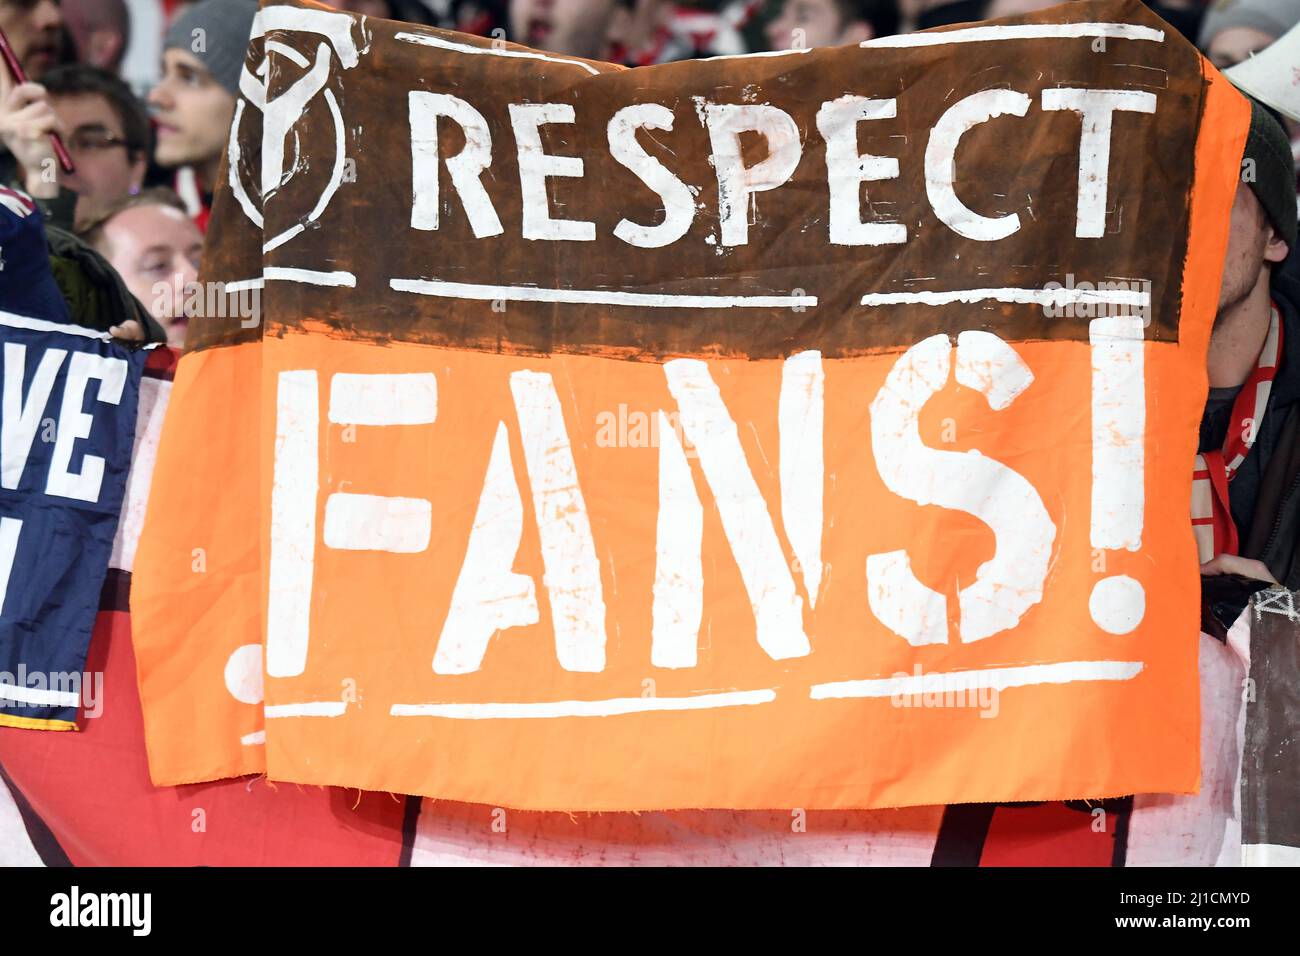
(606, 701)
(195, 597)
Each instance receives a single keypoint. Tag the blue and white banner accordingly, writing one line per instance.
(68, 403)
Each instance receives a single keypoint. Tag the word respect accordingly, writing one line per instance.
(837, 123)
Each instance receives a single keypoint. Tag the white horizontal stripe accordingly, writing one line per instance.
(441, 44)
(1021, 31)
(409, 398)
(584, 708)
(745, 56)
(310, 276)
(998, 678)
(1050, 297)
(487, 293)
(253, 739)
(45, 325)
(377, 523)
(316, 708)
(243, 285)
(35, 695)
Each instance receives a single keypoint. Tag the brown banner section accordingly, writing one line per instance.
(500, 199)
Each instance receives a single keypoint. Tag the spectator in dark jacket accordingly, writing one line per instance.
(50, 274)
(1254, 368)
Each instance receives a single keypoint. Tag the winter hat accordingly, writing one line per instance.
(1269, 170)
(225, 26)
(1273, 17)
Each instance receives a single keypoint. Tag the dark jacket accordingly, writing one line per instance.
(1274, 533)
(1265, 493)
(97, 297)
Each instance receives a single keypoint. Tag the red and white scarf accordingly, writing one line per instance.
(1216, 532)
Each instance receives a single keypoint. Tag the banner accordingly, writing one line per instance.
(125, 821)
(70, 397)
(740, 433)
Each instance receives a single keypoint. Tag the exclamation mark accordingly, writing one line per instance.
(1119, 415)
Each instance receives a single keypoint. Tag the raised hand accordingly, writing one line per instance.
(26, 121)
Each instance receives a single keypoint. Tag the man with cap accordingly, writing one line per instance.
(194, 101)
(1235, 30)
(1247, 485)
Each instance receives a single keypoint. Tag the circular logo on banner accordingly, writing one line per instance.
(282, 159)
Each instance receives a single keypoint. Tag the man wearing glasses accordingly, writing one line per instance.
(107, 132)
(105, 128)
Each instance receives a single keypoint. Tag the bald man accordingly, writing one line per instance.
(155, 247)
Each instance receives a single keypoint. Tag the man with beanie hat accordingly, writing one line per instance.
(1247, 485)
(194, 102)
(1234, 30)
